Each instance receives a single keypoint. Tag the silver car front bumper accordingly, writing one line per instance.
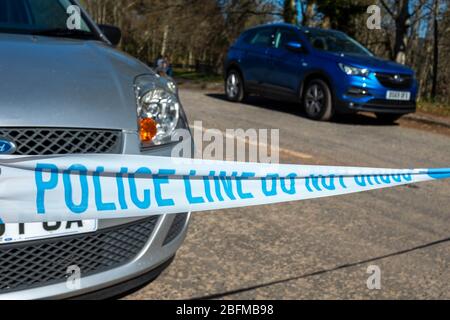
(163, 242)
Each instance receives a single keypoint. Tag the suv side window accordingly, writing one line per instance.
(284, 36)
(248, 36)
(262, 38)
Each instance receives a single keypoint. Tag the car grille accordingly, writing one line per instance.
(391, 104)
(179, 222)
(50, 141)
(388, 80)
(27, 265)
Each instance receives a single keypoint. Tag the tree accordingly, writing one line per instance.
(402, 15)
(435, 49)
(307, 11)
(290, 11)
(340, 14)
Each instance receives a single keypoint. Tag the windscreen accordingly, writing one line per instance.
(29, 16)
(334, 41)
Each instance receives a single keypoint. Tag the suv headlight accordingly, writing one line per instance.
(158, 110)
(354, 71)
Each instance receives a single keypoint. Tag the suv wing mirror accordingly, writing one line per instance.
(112, 33)
(295, 46)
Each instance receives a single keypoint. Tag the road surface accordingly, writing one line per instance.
(319, 249)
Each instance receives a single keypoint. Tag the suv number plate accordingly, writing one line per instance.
(398, 95)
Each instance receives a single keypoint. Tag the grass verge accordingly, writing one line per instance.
(434, 108)
(194, 76)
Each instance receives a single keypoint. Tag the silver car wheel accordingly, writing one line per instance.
(315, 100)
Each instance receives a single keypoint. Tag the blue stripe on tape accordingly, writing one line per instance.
(439, 173)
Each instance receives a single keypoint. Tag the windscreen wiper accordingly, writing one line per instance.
(64, 32)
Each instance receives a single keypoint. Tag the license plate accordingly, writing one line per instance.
(398, 95)
(13, 232)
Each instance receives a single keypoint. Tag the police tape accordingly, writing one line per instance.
(75, 187)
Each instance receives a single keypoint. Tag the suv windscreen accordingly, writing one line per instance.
(334, 41)
(46, 17)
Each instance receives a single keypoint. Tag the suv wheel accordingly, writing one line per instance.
(317, 101)
(388, 117)
(234, 87)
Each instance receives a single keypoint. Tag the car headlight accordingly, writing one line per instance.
(158, 110)
(354, 71)
(172, 86)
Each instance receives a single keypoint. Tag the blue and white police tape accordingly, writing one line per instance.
(64, 188)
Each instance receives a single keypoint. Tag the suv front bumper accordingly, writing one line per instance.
(355, 93)
(377, 106)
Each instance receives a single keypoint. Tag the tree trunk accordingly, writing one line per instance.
(290, 11)
(164, 41)
(402, 25)
(435, 51)
(308, 14)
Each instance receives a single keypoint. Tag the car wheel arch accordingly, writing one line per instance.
(243, 88)
(234, 67)
(327, 108)
(313, 75)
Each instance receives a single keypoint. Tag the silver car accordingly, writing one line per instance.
(64, 89)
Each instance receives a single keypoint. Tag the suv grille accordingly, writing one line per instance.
(40, 263)
(395, 81)
(45, 141)
(391, 104)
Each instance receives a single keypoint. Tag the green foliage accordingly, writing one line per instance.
(190, 75)
(434, 107)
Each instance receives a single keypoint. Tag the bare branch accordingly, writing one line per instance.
(384, 4)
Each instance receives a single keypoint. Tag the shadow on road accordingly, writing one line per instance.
(295, 109)
(324, 271)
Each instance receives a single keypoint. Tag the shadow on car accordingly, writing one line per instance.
(295, 109)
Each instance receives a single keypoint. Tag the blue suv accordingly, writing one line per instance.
(325, 70)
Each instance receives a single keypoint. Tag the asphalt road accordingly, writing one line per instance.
(319, 249)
